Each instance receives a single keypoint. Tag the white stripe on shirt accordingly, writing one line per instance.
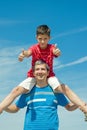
(36, 100)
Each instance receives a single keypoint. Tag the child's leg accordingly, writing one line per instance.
(11, 97)
(72, 96)
(28, 83)
(53, 82)
(23, 87)
(62, 88)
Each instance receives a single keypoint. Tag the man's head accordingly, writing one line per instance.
(41, 70)
(43, 35)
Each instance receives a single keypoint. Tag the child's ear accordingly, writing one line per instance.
(49, 37)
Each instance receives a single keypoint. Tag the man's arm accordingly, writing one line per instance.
(12, 109)
(71, 107)
(20, 103)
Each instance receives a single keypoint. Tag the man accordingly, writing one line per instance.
(41, 102)
(45, 51)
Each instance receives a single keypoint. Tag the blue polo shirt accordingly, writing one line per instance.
(42, 112)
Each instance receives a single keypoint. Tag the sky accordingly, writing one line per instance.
(68, 22)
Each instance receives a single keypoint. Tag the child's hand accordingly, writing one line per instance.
(21, 56)
(56, 51)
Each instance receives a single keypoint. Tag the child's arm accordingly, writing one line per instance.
(56, 51)
(25, 53)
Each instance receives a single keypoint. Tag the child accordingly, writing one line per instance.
(46, 52)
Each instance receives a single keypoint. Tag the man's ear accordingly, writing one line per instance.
(48, 73)
(33, 73)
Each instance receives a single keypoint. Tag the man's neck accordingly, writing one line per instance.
(41, 84)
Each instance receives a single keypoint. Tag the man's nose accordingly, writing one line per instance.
(40, 70)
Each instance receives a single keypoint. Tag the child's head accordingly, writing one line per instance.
(43, 29)
(43, 35)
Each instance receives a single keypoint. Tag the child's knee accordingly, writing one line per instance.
(58, 89)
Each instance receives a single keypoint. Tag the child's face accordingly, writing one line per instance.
(43, 40)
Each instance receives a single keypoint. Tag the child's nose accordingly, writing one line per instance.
(42, 41)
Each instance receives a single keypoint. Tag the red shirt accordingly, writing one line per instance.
(42, 54)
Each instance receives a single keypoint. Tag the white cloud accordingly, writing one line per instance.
(8, 56)
(12, 22)
(7, 61)
(74, 31)
(78, 61)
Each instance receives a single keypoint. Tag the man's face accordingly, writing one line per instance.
(41, 72)
(43, 40)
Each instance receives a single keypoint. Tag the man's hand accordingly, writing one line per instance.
(1, 110)
(83, 108)
(56, 51)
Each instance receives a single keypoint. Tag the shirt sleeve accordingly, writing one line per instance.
(62, 100)
(30, 48)
(21, 102)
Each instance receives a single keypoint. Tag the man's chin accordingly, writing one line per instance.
(41, 78)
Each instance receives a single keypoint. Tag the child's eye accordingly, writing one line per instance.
(40, 39)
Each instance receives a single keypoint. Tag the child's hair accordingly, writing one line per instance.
(43, 29)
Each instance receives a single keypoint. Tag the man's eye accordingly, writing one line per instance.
(43, 69)
(36, 69)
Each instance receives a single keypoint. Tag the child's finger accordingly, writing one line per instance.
(55, 45)
(22, 50)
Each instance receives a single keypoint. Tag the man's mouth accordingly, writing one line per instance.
(40, 76)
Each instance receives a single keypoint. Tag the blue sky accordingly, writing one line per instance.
(68, 22)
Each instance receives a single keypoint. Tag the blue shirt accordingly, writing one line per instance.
(42, 106)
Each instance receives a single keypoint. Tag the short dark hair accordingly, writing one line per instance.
(40, 62)
(43, 29)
